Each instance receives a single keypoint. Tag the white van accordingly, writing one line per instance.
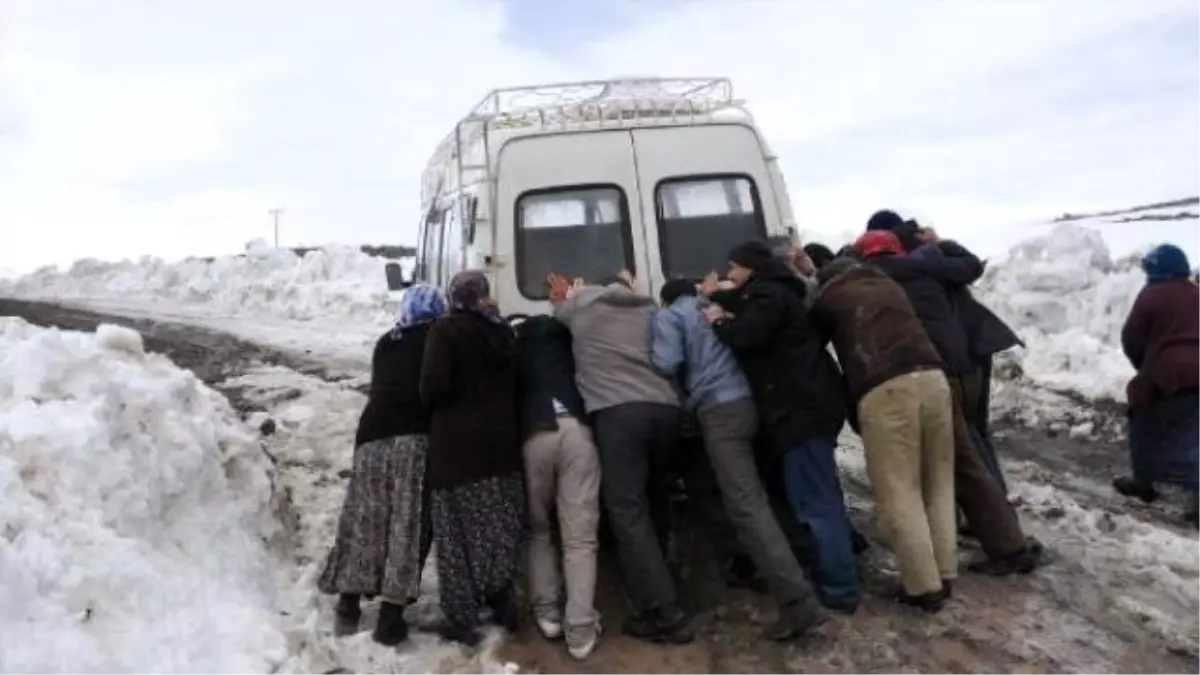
(660, 177)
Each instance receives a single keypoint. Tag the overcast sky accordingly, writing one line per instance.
(169, 127)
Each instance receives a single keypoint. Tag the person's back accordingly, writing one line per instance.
(610, 327)
(711, 374)
(1161, 336)
(394, 404)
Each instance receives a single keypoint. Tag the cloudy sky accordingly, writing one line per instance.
(169, 127)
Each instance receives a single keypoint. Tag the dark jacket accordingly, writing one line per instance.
(1161, 338)
(469, 378)
(874, 328)
(925, 279)
(987, 334)
(796, 383)
(394, 406)
(547, 374)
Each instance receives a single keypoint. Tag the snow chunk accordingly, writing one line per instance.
(134, 510)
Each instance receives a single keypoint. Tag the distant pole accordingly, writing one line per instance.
(275, 217)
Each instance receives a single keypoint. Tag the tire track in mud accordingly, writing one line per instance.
(1012, 625)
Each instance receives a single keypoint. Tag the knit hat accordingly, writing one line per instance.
(752, 254)
(878, 242)
(1166, 261)
(675, 289)
(885, 220)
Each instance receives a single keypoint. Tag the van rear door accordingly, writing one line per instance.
(704, 189)
(568, 203)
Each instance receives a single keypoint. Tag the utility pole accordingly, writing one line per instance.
(275, 217)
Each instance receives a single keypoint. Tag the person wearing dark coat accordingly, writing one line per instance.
(1161, 339)
(562, 473)
(980, 495)
(477, 500)
(801, 400)
(903, 412)
(383, 533)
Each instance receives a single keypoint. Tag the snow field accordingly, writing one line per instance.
(136, 512)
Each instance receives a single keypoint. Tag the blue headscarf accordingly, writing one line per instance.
(420, 304)
(1166, 262)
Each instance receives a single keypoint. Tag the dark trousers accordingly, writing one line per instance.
(810, 474)
(704, 505)
(636, 442)
(976, 394)
(983, 501)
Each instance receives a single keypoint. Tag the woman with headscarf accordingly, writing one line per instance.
(477, 498)
(383, 533)
(1162, 341)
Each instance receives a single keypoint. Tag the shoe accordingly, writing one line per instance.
(795, 620)
(347, 614)
(551, 629)
(1131, 487)
(928, 602)
(1024, 561)
(454, 632)
(581, 648)
(391, 629)
(505, 612)
(666, 626)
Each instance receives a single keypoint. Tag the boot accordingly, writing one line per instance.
(1024, 561)
(391, 629)
(795, 620)
(1131, 487)
(928, 602)
(462, 634)
(669, 625)
(504, 609)
(347, 614)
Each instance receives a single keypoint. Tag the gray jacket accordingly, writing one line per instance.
(610, 328)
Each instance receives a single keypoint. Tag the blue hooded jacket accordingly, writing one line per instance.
(681, 340)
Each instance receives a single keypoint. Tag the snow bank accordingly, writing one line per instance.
(134, 510)
(333, 282)
(1067, 298)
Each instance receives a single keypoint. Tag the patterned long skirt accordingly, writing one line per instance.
(383, 533)
(478, 528)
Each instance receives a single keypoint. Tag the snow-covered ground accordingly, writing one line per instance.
(136, 513)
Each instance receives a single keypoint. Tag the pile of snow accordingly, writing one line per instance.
(336, 282)
(1067, 298)
(135, 511)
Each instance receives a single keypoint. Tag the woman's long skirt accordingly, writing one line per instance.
(383, 532)
(478, 528)
(1164, 441)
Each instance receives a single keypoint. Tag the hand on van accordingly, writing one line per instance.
(711, 283)
(558, 287)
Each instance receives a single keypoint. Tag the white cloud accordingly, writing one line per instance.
(129, 127)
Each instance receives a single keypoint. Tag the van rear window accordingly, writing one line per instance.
(701, 217)
(576, 231)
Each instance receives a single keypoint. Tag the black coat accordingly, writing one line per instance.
(394, 406)
(987, 334)
(469, 378)
(547, 372)
(925, 278)
(797, 385)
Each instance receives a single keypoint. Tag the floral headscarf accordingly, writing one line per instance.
(420, 304)
(469, 291)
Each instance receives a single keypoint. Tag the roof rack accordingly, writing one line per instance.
(461, 160)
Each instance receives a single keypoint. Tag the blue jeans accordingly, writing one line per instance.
(815, 494)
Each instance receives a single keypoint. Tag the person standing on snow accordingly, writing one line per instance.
(987, 335)
(383, 532)
(1161, 339)
(477, 501)
(801, 398)
(562, 472)
(636, 420)
(979, 494)
(901, 406)
(720, 397)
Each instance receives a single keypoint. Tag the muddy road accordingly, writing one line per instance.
(1075, 615)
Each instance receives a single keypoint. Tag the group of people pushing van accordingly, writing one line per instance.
(493, 439)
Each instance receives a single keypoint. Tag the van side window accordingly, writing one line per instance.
(578, 231)
(701, 217)
(431, 250)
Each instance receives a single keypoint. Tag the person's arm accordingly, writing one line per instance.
(1136, 331)
(666, 343)
(754, 325)
(962, 268)
(437, 366)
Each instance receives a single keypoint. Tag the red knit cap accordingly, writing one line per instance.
(878, 242)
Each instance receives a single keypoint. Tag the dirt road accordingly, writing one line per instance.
(1081, 613)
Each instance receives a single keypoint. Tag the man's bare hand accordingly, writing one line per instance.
(928, 235)
(710, 284)
(627, 277)
(714, 313)
(559, 286)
